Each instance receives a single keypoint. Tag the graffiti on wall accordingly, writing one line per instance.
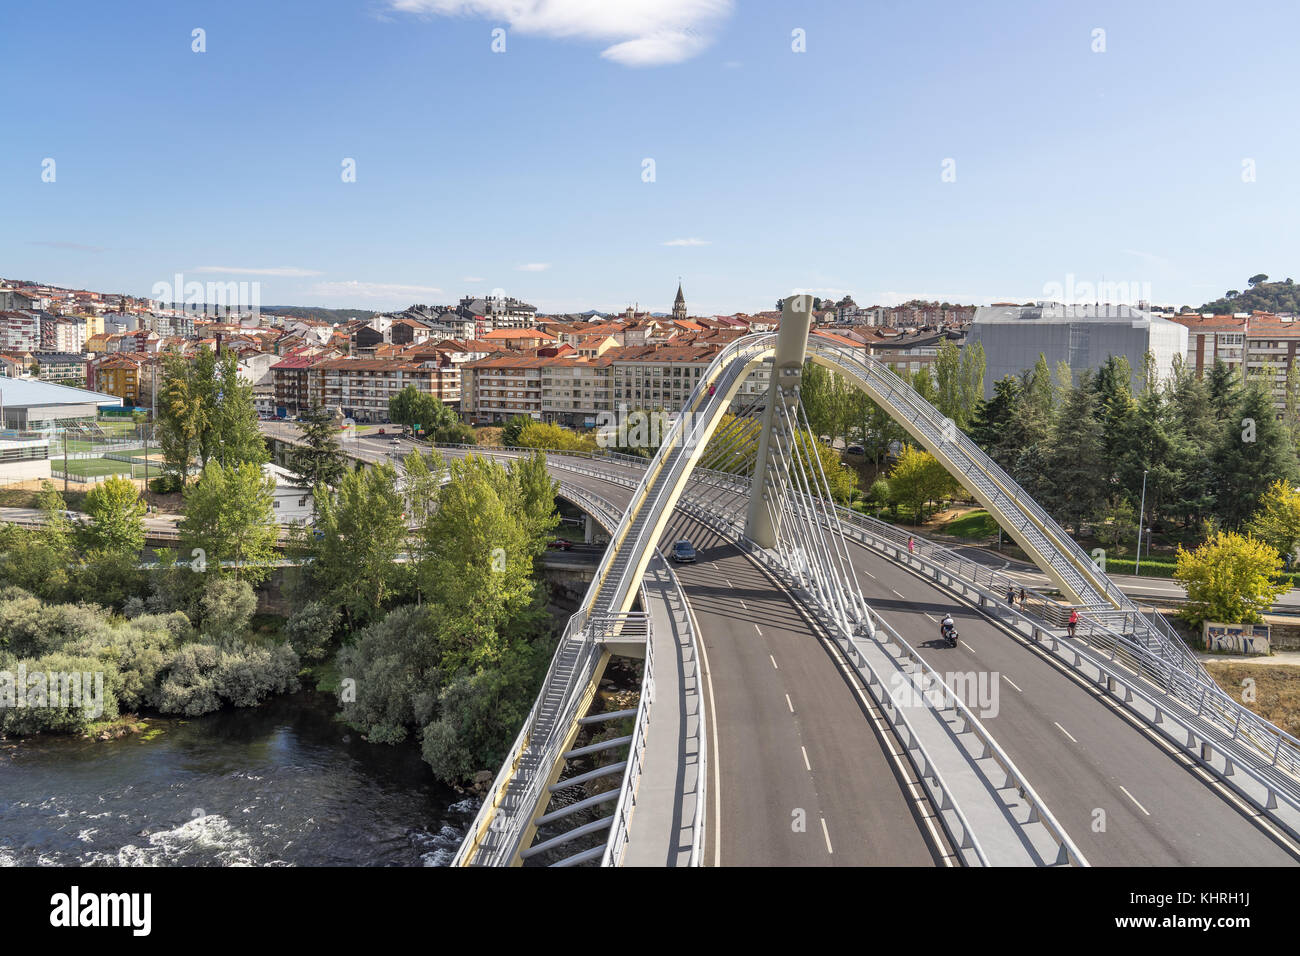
(1236, 638)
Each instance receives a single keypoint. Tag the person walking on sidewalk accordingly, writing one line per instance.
(1074, 620)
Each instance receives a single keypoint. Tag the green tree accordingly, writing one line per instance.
(546, 436)
(414, 409)
(318, 460)
(229, 517)
(183, 413)
(39, 559)
(234, 436)
(477, 557)
(918, 478)
(116, 517)
(1277, 522)
(1254, 450)
(1076, 469)
(1118, 524)
(1230, 578)
(360, 532)
(510, 433)
(990, 418)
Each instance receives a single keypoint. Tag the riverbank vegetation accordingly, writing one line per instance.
(425, 575)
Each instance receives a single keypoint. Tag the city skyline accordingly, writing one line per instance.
(1005, 163)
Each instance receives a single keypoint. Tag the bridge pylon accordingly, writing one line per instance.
(783, 389)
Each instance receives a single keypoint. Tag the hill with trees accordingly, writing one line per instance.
(1259, 295)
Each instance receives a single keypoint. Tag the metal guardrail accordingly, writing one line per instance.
(635, 759)
(940, 791)
(1104, 654)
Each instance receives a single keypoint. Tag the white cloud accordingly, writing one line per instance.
(371, 290)
(687, 242)
(534, 267)
(289, 271)
(642, 32)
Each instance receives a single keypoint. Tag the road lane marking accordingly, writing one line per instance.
(773, 660)
(899, 593)
(1013, 684)
(1068, 734)
(788, 703)
(760, 633)
(729, 584)
(805, 758)
(826, 834)
(1134, 799)
(742, 603)
(868, 574)
(933, 618)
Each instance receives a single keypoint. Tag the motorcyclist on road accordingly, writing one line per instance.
(947, 627)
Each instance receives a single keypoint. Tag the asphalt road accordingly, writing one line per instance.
(1077, 750)
(801, 773)
(1122, 797)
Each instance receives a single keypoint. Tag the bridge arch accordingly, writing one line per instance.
(1046, 543)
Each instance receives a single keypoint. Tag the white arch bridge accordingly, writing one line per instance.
(796, 708)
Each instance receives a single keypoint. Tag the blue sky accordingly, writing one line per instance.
(775, 171)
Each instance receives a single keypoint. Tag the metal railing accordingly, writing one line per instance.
(635, 759)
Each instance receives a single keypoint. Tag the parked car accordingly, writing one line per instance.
(684, 551)
(855, 450)
(561, 544)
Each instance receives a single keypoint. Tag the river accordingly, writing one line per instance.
(283, 784)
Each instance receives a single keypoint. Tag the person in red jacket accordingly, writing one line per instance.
(1074, 619)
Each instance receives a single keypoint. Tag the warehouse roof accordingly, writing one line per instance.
(26, 392)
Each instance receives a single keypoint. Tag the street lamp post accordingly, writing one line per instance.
(1142, 510)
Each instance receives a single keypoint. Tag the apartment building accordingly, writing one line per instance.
(65, 368)
(575, 390)
(20, 331)
(69, 335)
(289, 385)
(1213, 338)
(500, 387)
(362, 387)
(121, 374)
(657, 377)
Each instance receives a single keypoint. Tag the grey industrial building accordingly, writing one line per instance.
(1082, 336)
(34, 406)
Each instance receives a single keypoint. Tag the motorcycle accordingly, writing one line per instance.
(949, 634)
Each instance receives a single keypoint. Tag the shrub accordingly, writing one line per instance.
(311, 628)
(165, 484)
(46, 709)
(225, 606)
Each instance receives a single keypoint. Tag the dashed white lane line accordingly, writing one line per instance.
(760, 633)
(1071, 736)
(1013, 684)
(729, 584)
(1135, 803)
(788, 703)
(773, 660)
(899, 593)
(868, 574)
(933, 618)
(806, 763)
(826, 834)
